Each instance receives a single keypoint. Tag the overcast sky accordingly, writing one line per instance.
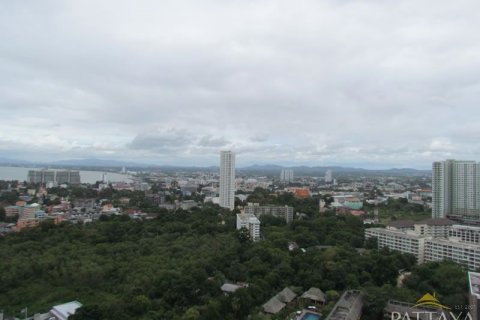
(364, 83)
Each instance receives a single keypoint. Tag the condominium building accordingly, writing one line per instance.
(432, 240)
(328, 176)
(54, 176)
(41, 176)
(465, 254)
(402, 241)
(286, 175)
(251, 223)
(467, 234)
(437, 228)
(284, 212)
(227, 179)
(456, 190)
(67, 176)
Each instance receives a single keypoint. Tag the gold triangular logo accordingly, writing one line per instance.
(429, 300)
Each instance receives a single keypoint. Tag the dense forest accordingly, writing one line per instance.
(172, 267)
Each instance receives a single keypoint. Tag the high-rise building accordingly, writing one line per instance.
(286, 175)
(456, 190)
(227, 179)
(328, 176)
(55, 176)
(67, 176)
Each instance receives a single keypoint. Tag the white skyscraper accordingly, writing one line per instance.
(328, 176)
(456, 190)
(227, 179)
(286, 175)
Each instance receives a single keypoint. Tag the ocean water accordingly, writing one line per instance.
(21, 173)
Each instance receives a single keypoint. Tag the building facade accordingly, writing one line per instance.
(328, 176)
(251, 223)
(456, 190)
(227, 179)
(405, 242)
(286, 175)
(284, 212)
(433, 240)
(54, 176)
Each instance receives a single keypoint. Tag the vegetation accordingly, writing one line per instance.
(172, 267)
(400, 209)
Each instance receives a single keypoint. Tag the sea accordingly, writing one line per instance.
(21, 173)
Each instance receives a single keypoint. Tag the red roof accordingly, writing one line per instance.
(302, 193)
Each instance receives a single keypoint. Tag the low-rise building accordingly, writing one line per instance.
(349, 307)
(251, 223)
(13, 211)
(279, 301)
(284, 212)
(432, 240)
(465, 254)
(468, 234)
(314, 296)
(406, 242)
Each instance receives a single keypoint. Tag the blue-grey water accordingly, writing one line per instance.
(20, 173)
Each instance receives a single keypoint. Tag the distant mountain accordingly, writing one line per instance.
(93, 162)
(259, 169)
(8, 161)
(337, 170)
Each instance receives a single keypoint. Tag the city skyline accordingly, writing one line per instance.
(352, 83)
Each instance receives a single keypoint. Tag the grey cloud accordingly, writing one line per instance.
(171, 139)
(209, 141)
(311, 82)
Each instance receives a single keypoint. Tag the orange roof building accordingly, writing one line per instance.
(302, 193)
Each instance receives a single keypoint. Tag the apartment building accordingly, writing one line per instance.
(435, 240)
(54, 176)
(251, 223)
(468, 234)
(456, 190)
(286, 175)
(403, 241)
(284, 212)
(465, 254)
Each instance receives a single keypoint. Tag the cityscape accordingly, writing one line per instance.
(424, 219)
(239, 160)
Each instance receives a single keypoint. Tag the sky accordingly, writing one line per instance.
(373, 84)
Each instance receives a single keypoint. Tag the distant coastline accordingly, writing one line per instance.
(20, 173)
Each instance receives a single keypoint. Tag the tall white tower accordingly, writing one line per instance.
(328, 176)
(227, 179)
(286, 175)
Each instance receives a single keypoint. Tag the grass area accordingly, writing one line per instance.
(389, 215)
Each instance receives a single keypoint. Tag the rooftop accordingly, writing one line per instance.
(273, 306)
(349, 307)
(437, 222)
(474, 281)
(315, 294)
(400, 224)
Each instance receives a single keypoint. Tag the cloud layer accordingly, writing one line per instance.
(377, 83)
